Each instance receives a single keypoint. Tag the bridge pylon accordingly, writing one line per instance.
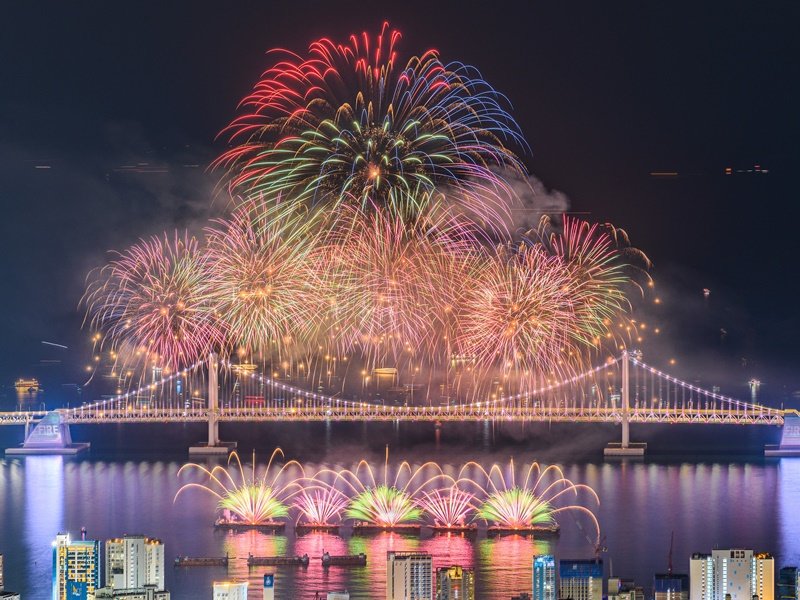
(214, 446)
(625, 447)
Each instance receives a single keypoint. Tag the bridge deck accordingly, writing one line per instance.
(401, 413)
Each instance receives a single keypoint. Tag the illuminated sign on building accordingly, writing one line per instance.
(791, 431)
(51, 432)
(77, 590)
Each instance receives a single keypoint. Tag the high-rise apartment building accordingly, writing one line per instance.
(230, 590)
(624, 589)
(544, 577)
(76, 568)
(409, 576)
(580, 579)
(670, 586)
(740, 574)
(4, 595)
(134, 562)
(789, 583)
(455, 583)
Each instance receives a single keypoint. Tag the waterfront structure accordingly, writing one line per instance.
(409, 576)
(230, 590)
(734, 574)
(580, 579)
(76, 568)
(134, 562)
(544, 577)
(789, 583)
(455, 583)
(670, 586)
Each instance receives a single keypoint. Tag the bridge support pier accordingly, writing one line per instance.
(625, 447)
(213, 447)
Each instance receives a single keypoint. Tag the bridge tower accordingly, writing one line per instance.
(213, 446)
(625, 447)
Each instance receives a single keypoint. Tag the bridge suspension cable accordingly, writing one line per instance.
(652, 388)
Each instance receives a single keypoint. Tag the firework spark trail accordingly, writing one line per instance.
(389, 503)
(260, 281)
(152, 297)
(350, 124)
(251, 500)
(447, 507)
(535, 502)
(320, 504)
(412, 494)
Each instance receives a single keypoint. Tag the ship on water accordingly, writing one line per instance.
(27, 385)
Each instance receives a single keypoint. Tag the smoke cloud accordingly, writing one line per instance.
(535, 202)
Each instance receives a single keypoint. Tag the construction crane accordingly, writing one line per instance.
(671, 542)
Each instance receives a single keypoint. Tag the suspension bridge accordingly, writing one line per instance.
(621, 391)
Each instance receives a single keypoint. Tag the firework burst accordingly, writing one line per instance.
(320, 504)
(383, 505)
(533, 504)
(260, 282)
(601, 264)
(152, 297)
(448, 507)
(350, 123)
(250, 500)
(392, 284)
(388, 503)
(518, 311)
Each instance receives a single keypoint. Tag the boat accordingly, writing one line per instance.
(27, 385)
(301, 528)
(344, 560)
(268, 561)
(201, 561)
(540, 530)
(234, 525)
(471, 529)
(365, 527)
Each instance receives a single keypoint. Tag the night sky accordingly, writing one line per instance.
(122, 101)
